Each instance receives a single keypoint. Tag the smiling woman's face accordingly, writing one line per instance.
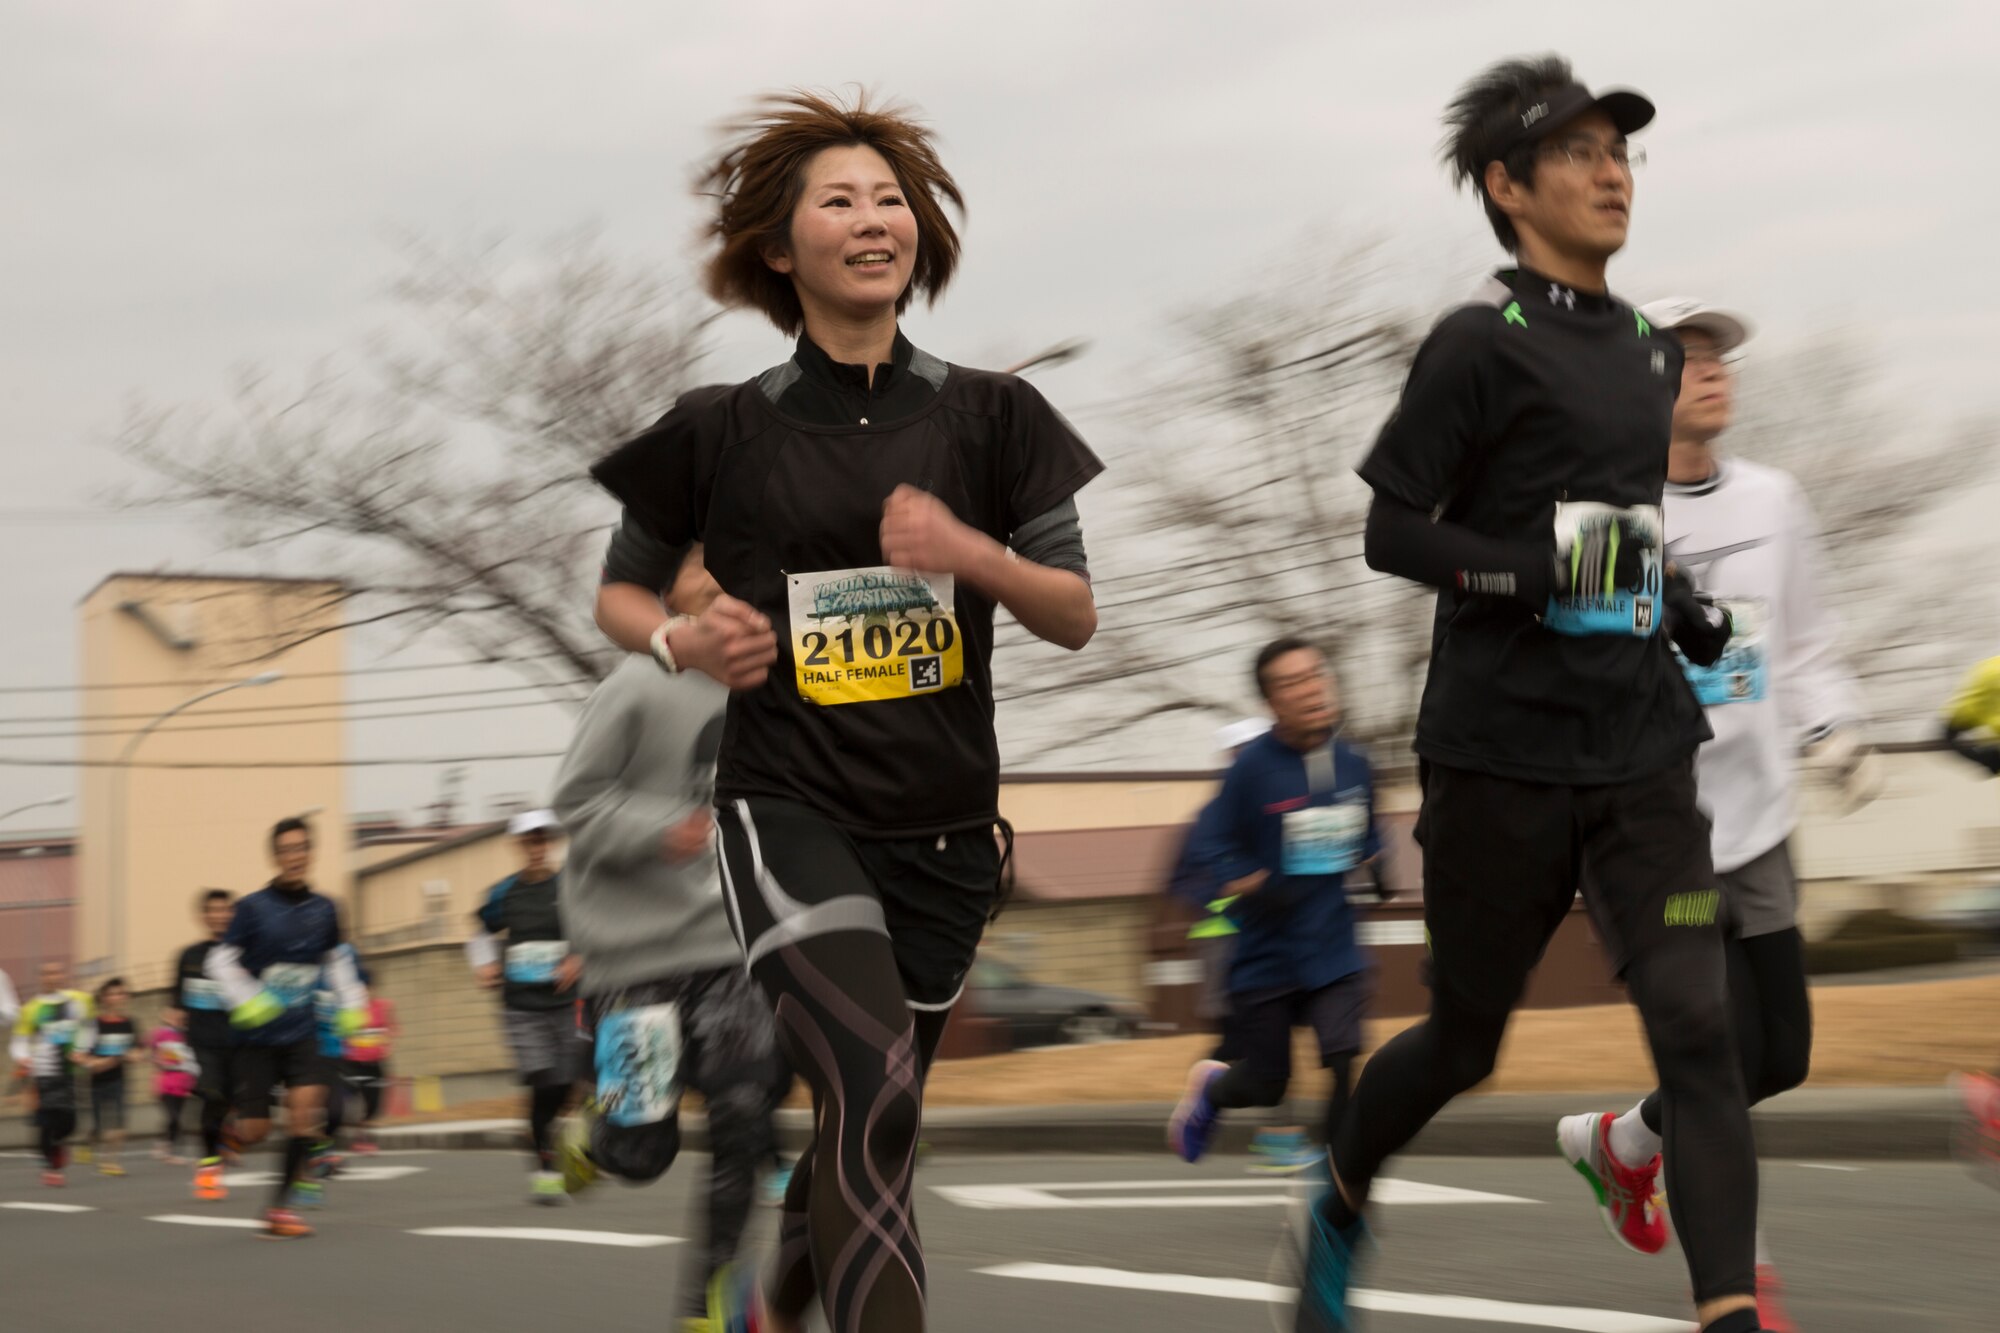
(854, 239)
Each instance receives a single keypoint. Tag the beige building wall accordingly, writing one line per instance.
(1100, 946)
(150, 642)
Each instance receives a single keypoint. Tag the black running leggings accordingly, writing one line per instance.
(544, 1105)
(1772, 1012)
(861, 949)
(847, 1235)
(55, 1126)
(1502, 862)
(369, 1076)
(170, 1108)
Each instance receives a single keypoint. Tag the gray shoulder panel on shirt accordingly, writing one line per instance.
(928, 368)
(774, 382)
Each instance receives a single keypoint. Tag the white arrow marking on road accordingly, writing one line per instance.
(1390, 1302)
(192, 1220)
(348, 1174)
(1270, 1194)
(50, 1207)
(628, 1240)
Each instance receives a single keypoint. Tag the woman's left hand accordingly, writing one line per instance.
(920, 532)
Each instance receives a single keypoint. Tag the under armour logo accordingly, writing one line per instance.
(1561, 295)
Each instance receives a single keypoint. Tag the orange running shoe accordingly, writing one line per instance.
(208, 1186)
(284, 1224)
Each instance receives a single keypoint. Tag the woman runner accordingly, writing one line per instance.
(865, 506)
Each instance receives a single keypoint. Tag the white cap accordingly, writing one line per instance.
(1729, 329)
(533, 821)
(1239, 734)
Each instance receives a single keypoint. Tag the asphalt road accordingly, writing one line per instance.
(1016, 1242)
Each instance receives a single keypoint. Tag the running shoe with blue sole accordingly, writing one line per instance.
(1192, 1124)
(1286, 1153)
(1330, 1256)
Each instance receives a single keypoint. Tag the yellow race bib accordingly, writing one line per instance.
(863, 635)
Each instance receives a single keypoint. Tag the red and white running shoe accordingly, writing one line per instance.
(1771, 1312)
(1628, 1198)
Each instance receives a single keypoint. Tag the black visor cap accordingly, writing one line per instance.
(1629, 112)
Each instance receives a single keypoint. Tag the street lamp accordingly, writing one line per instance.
(121, 776)
(1052, 356)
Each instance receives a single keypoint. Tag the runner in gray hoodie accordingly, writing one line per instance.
(663, 977)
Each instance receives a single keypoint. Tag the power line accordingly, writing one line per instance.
(311, 675)
(8, 761)
(289, 722)
(290, 708)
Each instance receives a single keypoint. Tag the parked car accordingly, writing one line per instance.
(1037, 1014)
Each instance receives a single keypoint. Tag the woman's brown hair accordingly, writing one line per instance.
(757, 180)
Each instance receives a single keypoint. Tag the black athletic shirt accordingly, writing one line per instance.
(201, 997)
(1534, 394)
(785, 475)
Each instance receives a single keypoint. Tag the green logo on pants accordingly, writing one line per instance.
(1693, 909)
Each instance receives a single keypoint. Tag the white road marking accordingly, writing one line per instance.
(348, 1175)
(625, 1239)
(197, 1220)
(1390, 1302)
(1138, 1194)
(447, 1127)
(1830, 1166)
(50, 1207)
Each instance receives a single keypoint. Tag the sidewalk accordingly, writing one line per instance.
(1877, 1124)
(1881, 1053)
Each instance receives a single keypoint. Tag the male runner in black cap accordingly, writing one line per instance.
(1522, 475)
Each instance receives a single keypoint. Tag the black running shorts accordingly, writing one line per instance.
(259, 1069)
(1505, 859)
(789, 873)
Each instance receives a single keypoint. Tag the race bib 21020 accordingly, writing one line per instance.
(866, 635)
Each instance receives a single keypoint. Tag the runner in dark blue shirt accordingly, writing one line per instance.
(1295, 815)
(270, 961)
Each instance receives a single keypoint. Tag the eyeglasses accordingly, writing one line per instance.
(1587, 155)
(1703, 360)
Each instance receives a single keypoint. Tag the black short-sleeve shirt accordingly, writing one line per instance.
(1533, 395)
(777, 495)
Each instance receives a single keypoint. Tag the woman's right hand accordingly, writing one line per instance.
(731, 641)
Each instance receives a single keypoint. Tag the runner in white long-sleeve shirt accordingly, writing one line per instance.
(1745, 534)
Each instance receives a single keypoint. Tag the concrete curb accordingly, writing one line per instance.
(1868, 1124)
(1880, 1124)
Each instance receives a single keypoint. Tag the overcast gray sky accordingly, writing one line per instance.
(192, 185)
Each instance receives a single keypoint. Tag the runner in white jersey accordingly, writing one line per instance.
(1780, 692)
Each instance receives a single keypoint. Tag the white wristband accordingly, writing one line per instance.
(663, 651)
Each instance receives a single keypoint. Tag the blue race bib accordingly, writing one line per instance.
(1587, 537)
(534, 962)
(1740, 675)
(1325, 839)
(639, 1064)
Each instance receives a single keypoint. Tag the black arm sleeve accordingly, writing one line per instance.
(1984, 753)
(1402, 541)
